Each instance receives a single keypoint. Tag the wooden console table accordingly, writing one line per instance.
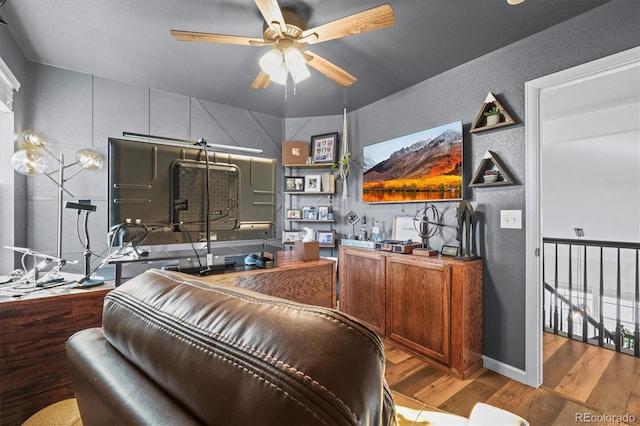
(33, 332)
(312, 282)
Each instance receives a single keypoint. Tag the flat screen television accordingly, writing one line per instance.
(157, 194)
(422, 166)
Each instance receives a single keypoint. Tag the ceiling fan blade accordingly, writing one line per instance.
(272, 14)
(217, 38)
(362, 22)
(329, 69)
(262, 81)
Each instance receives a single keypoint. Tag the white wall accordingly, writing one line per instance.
(590, 135)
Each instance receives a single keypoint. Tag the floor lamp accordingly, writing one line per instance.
(30, 159)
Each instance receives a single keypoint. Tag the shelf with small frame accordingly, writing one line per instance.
(309, 193)
(480, 122)
(297, 215)
(309, 166)
(490, 161)
(311, 220)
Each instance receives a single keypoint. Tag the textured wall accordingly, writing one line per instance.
(75, 110)
(13, 203)
(459, 94)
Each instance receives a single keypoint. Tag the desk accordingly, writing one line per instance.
(33, 333)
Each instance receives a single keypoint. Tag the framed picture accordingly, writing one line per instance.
(309, 213)
(294, 152)
(323, 213)
(449, 250)
(326, 238)
(291, 236)
(294, 214)
(294, 183)
(312, 183)
(324, 148)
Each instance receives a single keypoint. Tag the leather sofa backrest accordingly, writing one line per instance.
(175, 350)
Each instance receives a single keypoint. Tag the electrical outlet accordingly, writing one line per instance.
(511, 219)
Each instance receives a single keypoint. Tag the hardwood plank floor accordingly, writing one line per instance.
(582, 384)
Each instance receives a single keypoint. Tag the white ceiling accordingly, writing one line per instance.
(129, 41)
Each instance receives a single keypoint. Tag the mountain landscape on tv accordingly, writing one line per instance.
(427, 170)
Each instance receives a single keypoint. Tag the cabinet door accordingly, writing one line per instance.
(362, 278)
(418, 310)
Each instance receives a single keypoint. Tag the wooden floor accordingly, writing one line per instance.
(582, 384)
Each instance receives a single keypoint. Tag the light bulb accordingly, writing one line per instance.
(30, 138)
(271, 61)
(279, 75)
(29, 162)
(89, 159)
(295, 64)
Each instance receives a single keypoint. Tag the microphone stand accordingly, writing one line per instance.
(86, 281)
(202, 142)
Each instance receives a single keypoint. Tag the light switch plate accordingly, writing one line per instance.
(511, 219)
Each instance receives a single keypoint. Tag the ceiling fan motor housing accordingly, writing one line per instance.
(294, 24)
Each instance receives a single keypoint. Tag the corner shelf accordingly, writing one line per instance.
(491, 161)
(479, 124)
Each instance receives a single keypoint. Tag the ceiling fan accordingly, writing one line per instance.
(286, 31)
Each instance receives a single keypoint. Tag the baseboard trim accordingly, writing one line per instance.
(504, 369)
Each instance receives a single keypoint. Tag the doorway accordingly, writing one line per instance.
(539, 93)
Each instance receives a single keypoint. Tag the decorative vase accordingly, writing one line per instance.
(493, 119)
(489, 178)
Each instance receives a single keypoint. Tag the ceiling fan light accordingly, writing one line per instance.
(299, 73)
(279, 75)
(29, 162)
(295, 64)
(271, 61)
(89, 159)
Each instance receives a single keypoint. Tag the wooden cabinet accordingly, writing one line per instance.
(418, 306)
(429, 305)
(364, 297)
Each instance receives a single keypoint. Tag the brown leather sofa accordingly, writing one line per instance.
(173, 350)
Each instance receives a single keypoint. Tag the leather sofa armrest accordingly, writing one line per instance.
(110, 390)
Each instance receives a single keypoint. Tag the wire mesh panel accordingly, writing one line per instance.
(190, 201)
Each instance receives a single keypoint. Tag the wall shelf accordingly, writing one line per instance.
(480, 123)
(309, 166)
(491, 161)
(293, 201)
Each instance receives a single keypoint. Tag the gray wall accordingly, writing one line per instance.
(459, 94)
(15, 235)
(76, 110)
